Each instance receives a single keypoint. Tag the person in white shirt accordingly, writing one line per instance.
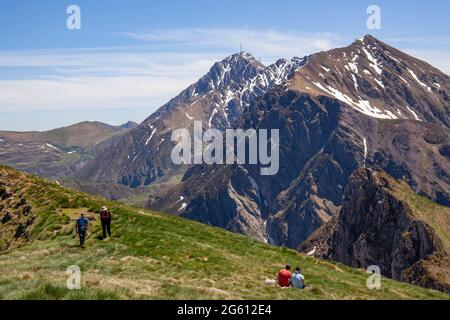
(298, 280)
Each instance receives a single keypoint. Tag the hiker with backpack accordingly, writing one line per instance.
(81, 227)
(105, 217)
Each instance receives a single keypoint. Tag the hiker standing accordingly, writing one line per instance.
(105, 217)
(81, 228)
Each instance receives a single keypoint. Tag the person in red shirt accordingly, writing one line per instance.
(285, 277)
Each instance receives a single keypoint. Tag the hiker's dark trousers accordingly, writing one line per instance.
(106, 226)
(82, 235)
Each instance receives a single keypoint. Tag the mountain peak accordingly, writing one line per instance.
(129, 125)
(377, 80)
(370, 38)
(367, 41)
(242, 55)
(240, 59)
(236, 68)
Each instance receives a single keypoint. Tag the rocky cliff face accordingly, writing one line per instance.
(305, 126)
(366, 105)
(225, 196)
(16, 216)
(322, 142)
(142, 156)
(378, 225)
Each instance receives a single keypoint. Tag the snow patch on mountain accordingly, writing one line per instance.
(363, 106)
(418, 81)
(403, 79)
(379, 82)
(151, 135)
(416, 117)
(325, 68)
(183, 206)
(51, 146)
(188, 116)
(355, 82)
(365, 150)
(373, 61)
(212, 116)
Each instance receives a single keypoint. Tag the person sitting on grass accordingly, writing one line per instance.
(284, 277)
(298, 280)
(81, 227)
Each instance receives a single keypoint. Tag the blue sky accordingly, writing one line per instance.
(130, 57)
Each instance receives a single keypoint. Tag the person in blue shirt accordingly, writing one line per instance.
(298, 280)
(81, 228)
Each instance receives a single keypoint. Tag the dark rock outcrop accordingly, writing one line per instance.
(227, 197)
(16, 216)
(376, 226)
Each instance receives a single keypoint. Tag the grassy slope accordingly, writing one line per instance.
(435, 215)
(82, 135)
(438, 218)
(153, 255)
(85, 134)
(23, 150)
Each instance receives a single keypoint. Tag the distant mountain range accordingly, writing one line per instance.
(366, 106)
(59, 152)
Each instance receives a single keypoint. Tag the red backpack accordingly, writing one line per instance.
(105, 215)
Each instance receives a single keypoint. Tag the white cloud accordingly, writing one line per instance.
(56, 80)
(103, 62)
(437, 58)
(421, 40)
(166, 62)
(266, 43)
(87, 92)
(151, 73)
